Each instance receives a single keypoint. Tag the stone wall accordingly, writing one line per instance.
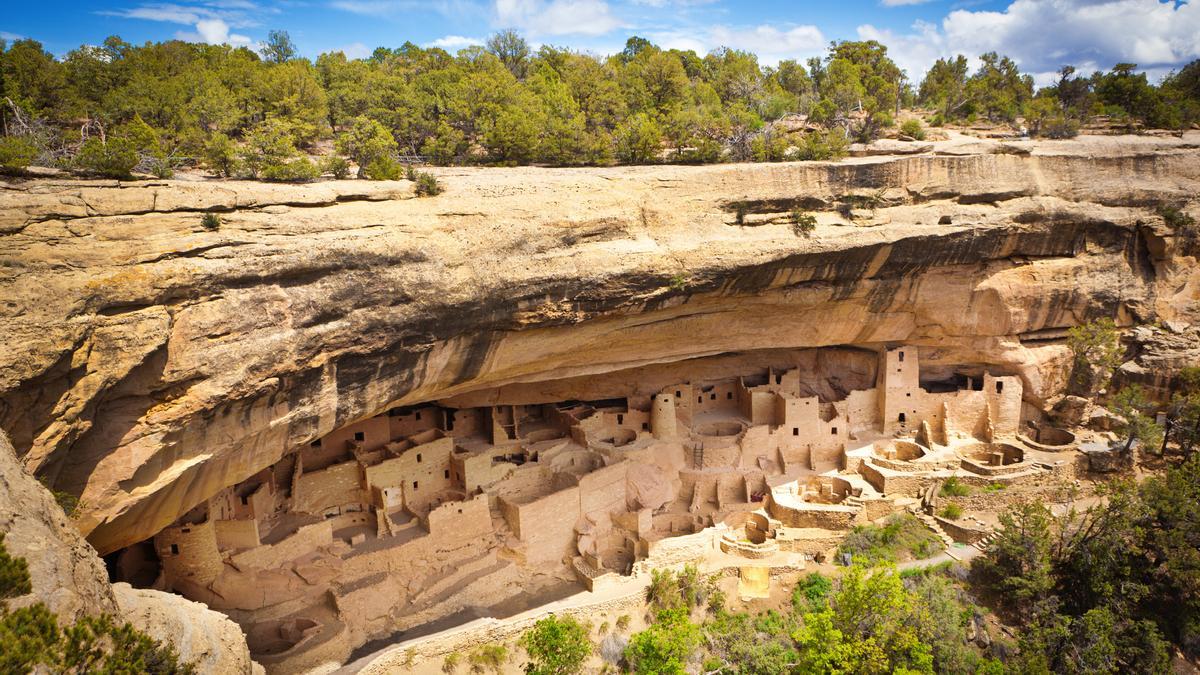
(304, 541)
(318, 491)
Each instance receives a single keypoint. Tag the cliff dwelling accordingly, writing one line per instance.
(419, 512)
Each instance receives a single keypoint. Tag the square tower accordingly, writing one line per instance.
(898, 384)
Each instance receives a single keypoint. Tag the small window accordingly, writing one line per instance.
(908, 394)
(245, 500)
(833, 431)
(447, 472)
(999, 386)
(418, 456)
(620, 419)
(678, 393)
(315, 444)
(186, 530)
(778, 379)
(174, 549)
(645, 426)
(414, 485)
(729, 395)
(713, 396)
(902, 418)
(699, 399)
(460, 510)
(360, 436)
(795, 431)
(901, 357)
(418, 415)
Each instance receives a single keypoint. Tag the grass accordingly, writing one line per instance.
(952, 511)
(994, 487)
(210, 221)
(953, 488)
(901, 537)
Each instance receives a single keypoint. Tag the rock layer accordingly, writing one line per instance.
(152, 362)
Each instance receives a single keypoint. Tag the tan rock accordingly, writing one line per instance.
(151, 362)
(206, 639)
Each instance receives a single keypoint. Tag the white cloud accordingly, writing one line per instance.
(556, 17)
(453, 42)
(1042, 35)
(355, 50)
(210, 21)
(770, 43)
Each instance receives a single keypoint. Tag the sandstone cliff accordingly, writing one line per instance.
(151, 362)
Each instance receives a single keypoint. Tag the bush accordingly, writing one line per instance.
(666, 646)
(427, 184)
(221, 155)
(112, 159)
(803, 224)
(913, 129)
(366, 142)
(810, 592)
(383, 168)
(823, 145)
(210, 221)
(952, 511)
(488, 657)
(623, 622)
(1059, 126)
(901, 535)
(450, 663)
(335, 166)
(16, 153)
(953, 488)
(293, 171)
(556, 646)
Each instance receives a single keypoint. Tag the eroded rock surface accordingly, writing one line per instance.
(151, 362)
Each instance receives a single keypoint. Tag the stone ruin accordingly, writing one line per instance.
(422, 512)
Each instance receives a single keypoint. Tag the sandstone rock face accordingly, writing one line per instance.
(208, 640)
(64, 571)
(151, 362)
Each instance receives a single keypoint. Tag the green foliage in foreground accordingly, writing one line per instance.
(32, 640)
(1108, 590)
(901, 536)
(556, 646)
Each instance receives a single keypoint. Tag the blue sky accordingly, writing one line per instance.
(1040, 34)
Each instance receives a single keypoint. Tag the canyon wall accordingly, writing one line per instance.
(151, 362)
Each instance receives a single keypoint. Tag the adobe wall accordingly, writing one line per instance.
(547, 525)
(462, 520)
(317, 491)
(189, 552)
(898, 384)
(236, 534)
(422, 419)
(375, 433)
(603, 490)
(305, 540)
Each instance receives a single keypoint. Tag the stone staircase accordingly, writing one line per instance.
(933, 524)
(984, 543)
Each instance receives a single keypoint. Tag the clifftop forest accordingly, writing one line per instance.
(115, 108)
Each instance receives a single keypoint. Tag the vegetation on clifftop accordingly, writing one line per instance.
(117, 108)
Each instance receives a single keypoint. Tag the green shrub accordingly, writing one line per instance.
(952, 511)
(336, 166)
(901, 535)
(14, 575)
(953, 488)
(810, 592)
(937, 120)
(1175, 218)
(823, 145)
(913, 129)
(210, 221)
(556, 646)
(112, 159)
(16, 153)
(292, 171)
(384, 168)
(427, 185)
(488, 657)
(623, 622)
(221, 155)
(803, 224)
(450, 663)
